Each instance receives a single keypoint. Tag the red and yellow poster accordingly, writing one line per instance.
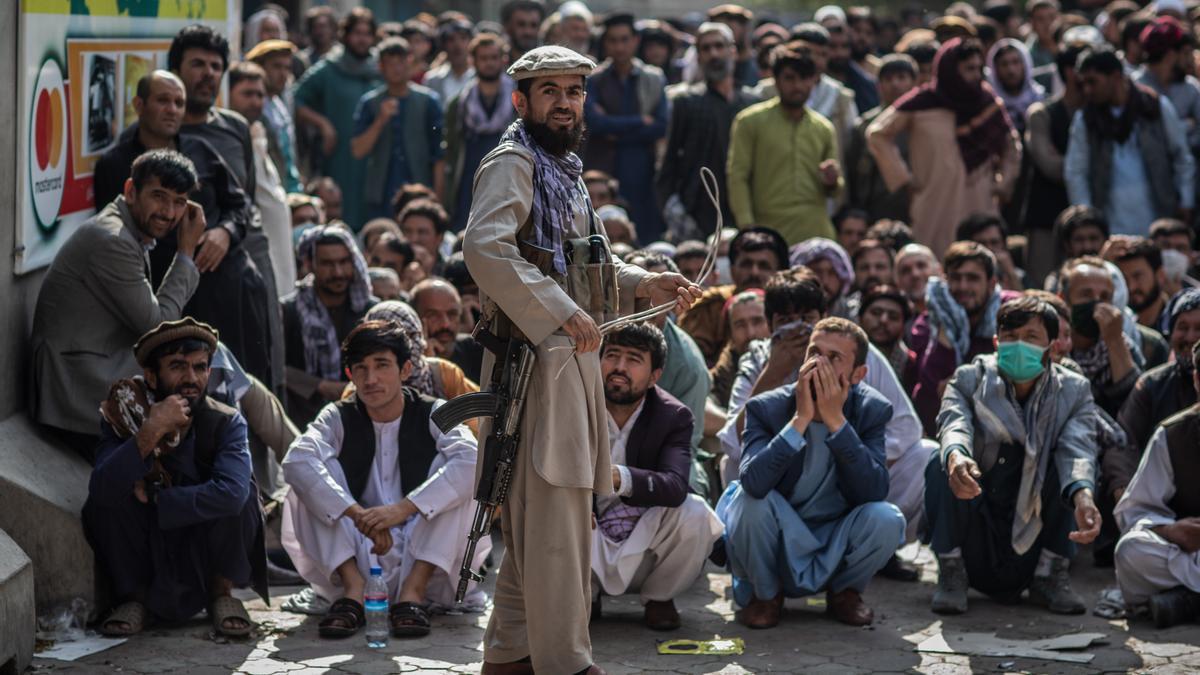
(80, 64)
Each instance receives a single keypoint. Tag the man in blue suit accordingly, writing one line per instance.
(809, 513)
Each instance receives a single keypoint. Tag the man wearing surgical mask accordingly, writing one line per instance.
(1101, 346)
(1007, 477)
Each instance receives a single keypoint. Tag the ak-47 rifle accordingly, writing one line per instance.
(503, 402)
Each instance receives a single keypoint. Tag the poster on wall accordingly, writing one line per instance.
(80, 62)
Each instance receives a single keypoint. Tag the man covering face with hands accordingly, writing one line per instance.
(808, 512)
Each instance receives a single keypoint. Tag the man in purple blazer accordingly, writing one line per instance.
(651, 536)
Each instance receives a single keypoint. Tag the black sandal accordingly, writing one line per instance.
(344, 618)
(409, 619)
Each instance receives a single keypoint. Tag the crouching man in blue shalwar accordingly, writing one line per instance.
(172, 512)
(808, 513)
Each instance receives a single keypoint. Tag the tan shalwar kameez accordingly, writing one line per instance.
(543, 595)
(943, 193)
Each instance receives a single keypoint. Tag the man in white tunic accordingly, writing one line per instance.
(1158, 557)
(652, 536)
(376, 483)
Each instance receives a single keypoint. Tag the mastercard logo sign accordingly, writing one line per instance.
(48, 144)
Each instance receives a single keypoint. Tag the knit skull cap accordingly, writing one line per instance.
(551, 61)
(170, 331)
(269, 47)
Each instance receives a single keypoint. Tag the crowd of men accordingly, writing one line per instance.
(953, 303)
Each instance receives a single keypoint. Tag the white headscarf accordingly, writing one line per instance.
(1031, 92)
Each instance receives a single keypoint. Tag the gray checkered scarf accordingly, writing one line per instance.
(322, 352)
(556, 186)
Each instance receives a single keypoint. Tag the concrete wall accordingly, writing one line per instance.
(42, 486)
(17, 294)
(16, 607)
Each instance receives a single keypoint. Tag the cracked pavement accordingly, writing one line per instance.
(806, 641)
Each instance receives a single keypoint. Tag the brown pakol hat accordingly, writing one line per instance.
(170, 331)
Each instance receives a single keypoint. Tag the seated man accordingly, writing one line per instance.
(1081, 231)
(958, 324)
(376, 483)
(1163, 391)
(747, 318)
(1170, 234)
(1157, 558)
(652, 536)
(997, 494)
(226, 266)
(99, 280)
(834, 269)
(990, 231)
(872, 262)
(684, 375)
(440, 308)
(915, 263)
(1100, 340)
(808, 512)
(883, 313)
(754, 255)
(1141, 263)
(172, 511)
(328, 302)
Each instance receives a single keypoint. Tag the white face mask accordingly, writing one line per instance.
(724, 276)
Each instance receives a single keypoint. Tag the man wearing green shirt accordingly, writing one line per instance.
(325, 99)
(782, 163)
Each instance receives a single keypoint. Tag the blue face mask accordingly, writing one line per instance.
(1020, 361)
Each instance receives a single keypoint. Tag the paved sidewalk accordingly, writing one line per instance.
(807, 641)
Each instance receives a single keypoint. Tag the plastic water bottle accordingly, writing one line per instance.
(377, 610)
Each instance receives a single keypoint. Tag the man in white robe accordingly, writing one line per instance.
(376, 483)
(1158, 556)
(652, 537)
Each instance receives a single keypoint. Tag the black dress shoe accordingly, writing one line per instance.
(1173, 607)
(898, 570)
(718, 556)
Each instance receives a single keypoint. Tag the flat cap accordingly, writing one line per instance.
(551, 61)
(269, 47)
(170, 331)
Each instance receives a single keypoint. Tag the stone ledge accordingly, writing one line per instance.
(42, 489)
(17, 617)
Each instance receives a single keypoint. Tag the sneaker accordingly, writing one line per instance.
(1054, 590)
(951, 594)
(1173, 607)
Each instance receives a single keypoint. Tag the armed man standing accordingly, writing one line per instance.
(547, 278)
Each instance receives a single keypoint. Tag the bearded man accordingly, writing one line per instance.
(172, 511)
(529, 203)
(698, 136)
